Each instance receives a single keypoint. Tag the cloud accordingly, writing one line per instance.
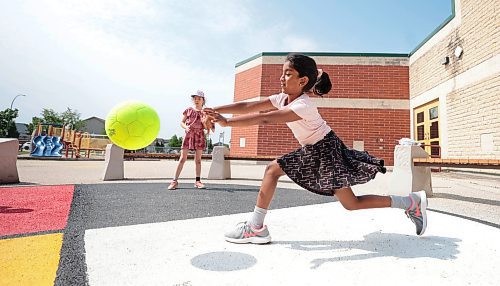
(92, 55)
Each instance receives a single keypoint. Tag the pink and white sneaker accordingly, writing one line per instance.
(417, 211)
(245, 233)
(199, 185)
(173, 185)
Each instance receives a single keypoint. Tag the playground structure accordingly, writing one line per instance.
(48, 140)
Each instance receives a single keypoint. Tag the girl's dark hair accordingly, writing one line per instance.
(306, 66)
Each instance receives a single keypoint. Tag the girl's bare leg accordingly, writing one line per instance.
(197, 161)
(352, 202)
(180, 165)
(415, 205)
(268, 187)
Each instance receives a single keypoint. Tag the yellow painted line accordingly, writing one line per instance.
(30, 260)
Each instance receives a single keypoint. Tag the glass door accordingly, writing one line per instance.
(426, 120)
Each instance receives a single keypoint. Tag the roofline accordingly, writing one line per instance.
(100, 119)
(323, 54)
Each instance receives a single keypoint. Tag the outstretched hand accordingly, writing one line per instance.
(215, 117)
(207, 123)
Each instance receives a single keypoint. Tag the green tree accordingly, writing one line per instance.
(7, 123)
(34, 123)
(175, 141)
(49, 116)
(12, 132)
(210, 145)
(70, 117)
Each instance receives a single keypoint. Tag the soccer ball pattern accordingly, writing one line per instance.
(132, 125)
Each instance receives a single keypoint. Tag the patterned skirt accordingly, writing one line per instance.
(329, 165)
(194, 140)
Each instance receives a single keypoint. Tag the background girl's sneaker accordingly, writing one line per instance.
(417, 211)
(199, 185)
(173, 185)
(245, 233)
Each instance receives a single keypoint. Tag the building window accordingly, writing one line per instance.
(420, 132)
(420, 117)
(434, 130)
(433, 113)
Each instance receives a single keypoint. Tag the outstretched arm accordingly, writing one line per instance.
(245, 107)
(277, 116)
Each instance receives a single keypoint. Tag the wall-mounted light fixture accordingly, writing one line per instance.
(458, 52)
(445, 60)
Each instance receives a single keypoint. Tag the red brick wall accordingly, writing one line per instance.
(378, 128)
(271, 79)
(380, 82)
(276, 139)
(248, 83)
(250, 134)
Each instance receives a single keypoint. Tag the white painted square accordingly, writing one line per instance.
(358, 145)
(312, 245)
(487, 145)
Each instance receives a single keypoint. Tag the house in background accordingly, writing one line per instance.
(94, 125)
(22, 129)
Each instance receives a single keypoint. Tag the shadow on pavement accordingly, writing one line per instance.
(466, 199)
(223, 261)
(379, 244)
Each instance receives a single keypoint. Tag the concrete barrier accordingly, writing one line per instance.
(8, 160)
(113, 163)
(220, 169)
(406, 177)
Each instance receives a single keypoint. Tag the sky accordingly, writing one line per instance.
(92, 55)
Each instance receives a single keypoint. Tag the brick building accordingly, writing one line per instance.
(379, 98)
(368, 106)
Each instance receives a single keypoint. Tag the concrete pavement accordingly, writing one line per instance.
(469, 195)
(133, 232)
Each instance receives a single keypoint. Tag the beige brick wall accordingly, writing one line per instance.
(471, 114)
(478, 35)
(468, 86)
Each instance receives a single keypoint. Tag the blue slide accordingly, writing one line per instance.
(46, 146)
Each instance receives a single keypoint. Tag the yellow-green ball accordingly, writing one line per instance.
(132, 125)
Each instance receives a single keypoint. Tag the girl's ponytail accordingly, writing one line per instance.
(323, 84)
